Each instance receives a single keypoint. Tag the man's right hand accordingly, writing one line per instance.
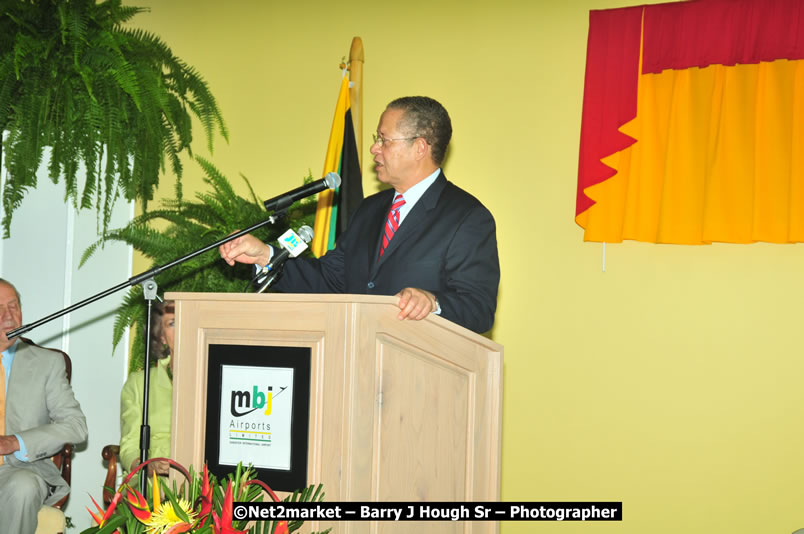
(9, 445)
(245, 249)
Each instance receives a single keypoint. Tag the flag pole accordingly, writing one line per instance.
(356, 60)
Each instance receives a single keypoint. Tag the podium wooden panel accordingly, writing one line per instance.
(399, 410)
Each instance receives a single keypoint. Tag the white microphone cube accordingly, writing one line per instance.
(291, 242)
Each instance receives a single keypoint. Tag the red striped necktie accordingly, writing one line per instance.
(392, 224)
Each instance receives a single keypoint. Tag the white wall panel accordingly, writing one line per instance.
(41, 258)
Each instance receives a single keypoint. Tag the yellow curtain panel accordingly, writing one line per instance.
(707, 145)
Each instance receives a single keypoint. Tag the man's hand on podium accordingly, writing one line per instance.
(415, 304)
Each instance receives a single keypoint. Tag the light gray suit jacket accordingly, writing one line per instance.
(41, 409)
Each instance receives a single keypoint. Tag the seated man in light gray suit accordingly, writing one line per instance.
(41, 415)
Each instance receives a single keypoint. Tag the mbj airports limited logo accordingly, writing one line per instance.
(246, 402)
(251, 411)
(258, 424)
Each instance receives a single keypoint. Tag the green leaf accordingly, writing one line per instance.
(180, 227)
(171, 495)
(75, 77)
(112, 524)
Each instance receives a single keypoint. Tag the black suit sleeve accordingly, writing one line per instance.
(310, 275)
(471, 272)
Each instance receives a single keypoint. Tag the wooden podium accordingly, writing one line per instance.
(398, 410)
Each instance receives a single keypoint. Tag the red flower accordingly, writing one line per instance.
(138, 505)
(282, 526)
(223, 524)
(206, 498)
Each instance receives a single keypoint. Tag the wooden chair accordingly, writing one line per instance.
(51, 518)
(110, 454)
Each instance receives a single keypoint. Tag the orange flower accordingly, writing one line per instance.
(101, 517)
(164, 519)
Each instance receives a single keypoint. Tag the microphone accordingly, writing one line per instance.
(330, 181)
(292, 245)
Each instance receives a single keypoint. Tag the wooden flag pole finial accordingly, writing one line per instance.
(356, 60)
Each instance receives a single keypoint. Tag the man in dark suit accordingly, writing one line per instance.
(41, 415)
(425, 240)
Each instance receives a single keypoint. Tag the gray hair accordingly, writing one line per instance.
(426, 118)
(12, 286)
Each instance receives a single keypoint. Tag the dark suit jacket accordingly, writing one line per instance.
(447, 245)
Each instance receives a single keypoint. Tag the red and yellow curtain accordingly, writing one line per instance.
(693, 123)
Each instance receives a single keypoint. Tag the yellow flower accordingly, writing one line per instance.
(164, 518)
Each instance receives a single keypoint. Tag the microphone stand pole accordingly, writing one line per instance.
(149, 289)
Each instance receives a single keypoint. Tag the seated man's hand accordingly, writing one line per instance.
(245, 249)
(9, 445)
(160, 467)
(415, 304)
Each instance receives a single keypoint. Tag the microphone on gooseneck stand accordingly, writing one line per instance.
(330, 181)
(292, 245)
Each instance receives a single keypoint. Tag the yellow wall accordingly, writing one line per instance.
(671, 382)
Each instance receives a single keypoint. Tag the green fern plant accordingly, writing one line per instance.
(111, 99)
(180, 227)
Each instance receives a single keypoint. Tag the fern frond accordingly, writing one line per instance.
(178, 228)
(73, 78)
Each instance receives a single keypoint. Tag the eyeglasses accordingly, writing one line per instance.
(380, 140)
